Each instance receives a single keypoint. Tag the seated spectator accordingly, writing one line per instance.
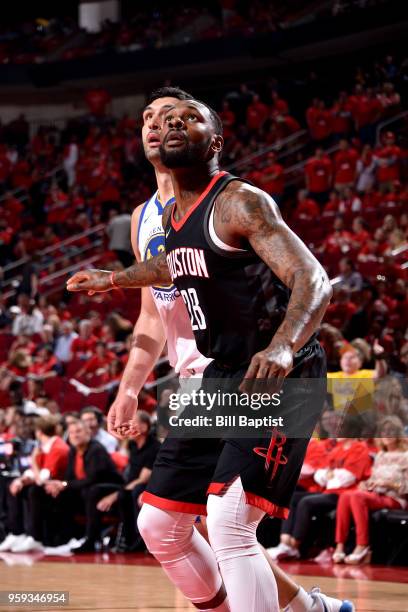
(83, 346)
(64, 342)
(271, 178)
(353, 386)
(93, 418)
(306, 208)
(342, 308)
(88, 464)
(349, 278)
(30, 319)
(360, 234)
(49, 461)
(98, 363)
(124, 500)
(341, 469)
(387, 487)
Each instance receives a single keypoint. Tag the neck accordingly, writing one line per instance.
(164, 184)
(189, 183)
(392, 446)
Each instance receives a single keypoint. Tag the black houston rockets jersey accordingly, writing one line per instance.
(235, 302)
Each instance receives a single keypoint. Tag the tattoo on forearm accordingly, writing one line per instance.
(145, 273)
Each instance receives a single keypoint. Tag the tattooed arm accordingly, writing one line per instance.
(245, 213)
(141, 274)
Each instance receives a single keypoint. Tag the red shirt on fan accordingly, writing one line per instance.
(97, 101)
(54, 458)
(347, 464)
(257, 113)
(345, 162)
(341, 117)
(307, 208)
(318, 172)
(389, 158)
(83, 346)
(365, 109)
(271, 178)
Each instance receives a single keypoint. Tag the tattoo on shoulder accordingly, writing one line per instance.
(248, 208)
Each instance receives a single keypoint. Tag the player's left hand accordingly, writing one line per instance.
(275, 362)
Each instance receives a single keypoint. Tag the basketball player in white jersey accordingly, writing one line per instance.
(166, 525)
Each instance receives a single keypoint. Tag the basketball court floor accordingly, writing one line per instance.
(122, 583)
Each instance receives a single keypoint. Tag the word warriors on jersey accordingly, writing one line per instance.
(187, 261)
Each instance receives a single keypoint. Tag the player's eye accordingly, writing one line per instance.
(192, 117)
(168, 118)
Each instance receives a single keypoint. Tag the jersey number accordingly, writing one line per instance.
(197, 318)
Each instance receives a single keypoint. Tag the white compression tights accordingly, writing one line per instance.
(183, 553)
(232, 524)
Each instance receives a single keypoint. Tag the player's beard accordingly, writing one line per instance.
(183, 157)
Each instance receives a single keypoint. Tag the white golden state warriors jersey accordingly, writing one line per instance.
(183, 353)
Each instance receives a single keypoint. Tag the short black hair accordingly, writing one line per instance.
(168, 92)
(215, 118)
(95, 411)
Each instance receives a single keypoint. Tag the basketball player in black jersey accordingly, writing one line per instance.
(246, 277)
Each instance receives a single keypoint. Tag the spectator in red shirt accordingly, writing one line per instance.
(319, 120)
(388, 159)
(340, 311)
(271, 178)
(341, 116)
(279, 106)
(366, 110)
(83, 346)
(306, 209)
(360, 234)
(337, 242)
(345, 162)
(228, 119)
(98, 364)
(318, 175)
(97, 101)
(257, 113)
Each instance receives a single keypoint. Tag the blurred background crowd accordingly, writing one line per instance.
(330, 147)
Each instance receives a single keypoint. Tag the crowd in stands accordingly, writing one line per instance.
(61, 356)
(62, 39)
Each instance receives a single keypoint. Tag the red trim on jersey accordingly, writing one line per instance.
(179, 224)
(173, 505)
(274, 510)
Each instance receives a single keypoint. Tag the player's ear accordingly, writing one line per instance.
(217, 144)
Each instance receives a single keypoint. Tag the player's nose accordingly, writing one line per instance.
(176, 122)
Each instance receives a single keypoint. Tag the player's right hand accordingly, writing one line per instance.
(92, 281)
(122, 422)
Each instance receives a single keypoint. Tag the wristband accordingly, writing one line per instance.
(112, 280)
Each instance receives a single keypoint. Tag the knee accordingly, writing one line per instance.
(159, 529)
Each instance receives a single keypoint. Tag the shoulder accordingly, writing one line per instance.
(240, 199)
(136, 214)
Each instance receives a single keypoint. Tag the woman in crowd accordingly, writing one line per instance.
(387, 487)
(340, 469)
